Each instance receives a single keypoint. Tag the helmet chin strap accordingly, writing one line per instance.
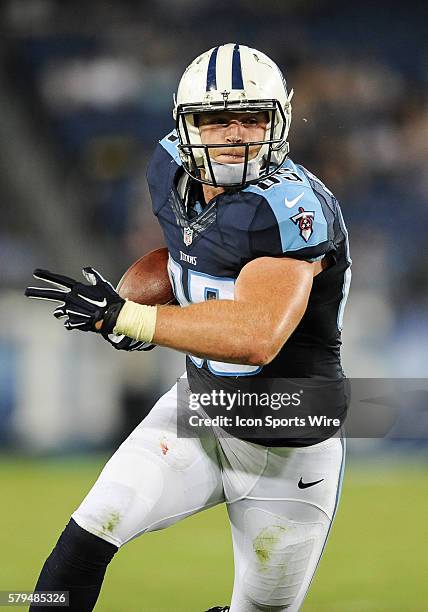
(232, 174)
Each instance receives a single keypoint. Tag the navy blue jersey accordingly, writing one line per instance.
(291, 214)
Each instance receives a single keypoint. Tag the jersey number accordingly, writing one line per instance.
(202, 287)
(283, 174)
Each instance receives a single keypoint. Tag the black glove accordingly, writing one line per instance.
(82, 306)
(125, 343)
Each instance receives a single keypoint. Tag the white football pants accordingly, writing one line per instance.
(279, 530)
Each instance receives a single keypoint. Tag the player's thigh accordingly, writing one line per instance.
(153, 479)
(280, 529)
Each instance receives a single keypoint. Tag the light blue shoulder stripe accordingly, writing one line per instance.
(286, 197)
(169, 143)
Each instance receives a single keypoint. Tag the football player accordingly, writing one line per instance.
(259, 263)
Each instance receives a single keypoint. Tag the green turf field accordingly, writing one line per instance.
(376, 560)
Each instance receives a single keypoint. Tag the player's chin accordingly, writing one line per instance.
(230, 159)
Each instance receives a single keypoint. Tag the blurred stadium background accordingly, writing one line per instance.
(86, 92)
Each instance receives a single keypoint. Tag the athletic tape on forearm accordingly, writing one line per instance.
(136, 321)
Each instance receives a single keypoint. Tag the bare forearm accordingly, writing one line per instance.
(249, 330)
(222, 330)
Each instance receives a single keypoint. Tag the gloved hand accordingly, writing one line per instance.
(125, 343)
(94, 307)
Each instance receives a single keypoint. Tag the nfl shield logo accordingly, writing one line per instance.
(188, 236)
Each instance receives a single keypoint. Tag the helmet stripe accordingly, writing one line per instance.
(212, 70)
(237, 82)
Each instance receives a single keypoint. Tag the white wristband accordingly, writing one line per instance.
(136, 321)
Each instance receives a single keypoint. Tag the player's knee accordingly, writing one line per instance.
(114, 511)
(120, 504)
(130, 493)
(282, 560)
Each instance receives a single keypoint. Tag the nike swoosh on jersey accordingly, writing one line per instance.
(291, 203)
(101, 304)
(305, 485)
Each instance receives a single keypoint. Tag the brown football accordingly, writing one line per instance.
(147, 280)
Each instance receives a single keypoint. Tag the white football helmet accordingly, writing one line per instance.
(232, 77)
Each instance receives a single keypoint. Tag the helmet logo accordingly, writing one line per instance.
(225, 95)
(188, 236)
(304, 219)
